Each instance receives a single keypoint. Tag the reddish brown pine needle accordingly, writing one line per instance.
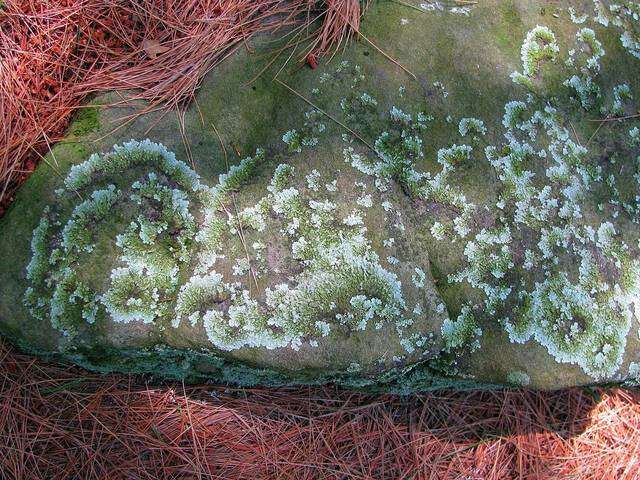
(59, 422)
(55, 53)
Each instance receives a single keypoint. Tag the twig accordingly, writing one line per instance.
(613, 119)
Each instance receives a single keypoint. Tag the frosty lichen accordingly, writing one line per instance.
(472, 126)
(626, 16)
(171, 227)
(157, 229)
(342, 279)
(307, 136)
(315, 254)
(539, 46)
(462, 331)
(593, 49)
(524, 264)
(581, 317)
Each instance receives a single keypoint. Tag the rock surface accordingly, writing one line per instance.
(459, 217)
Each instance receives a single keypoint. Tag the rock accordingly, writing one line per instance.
(459, 216)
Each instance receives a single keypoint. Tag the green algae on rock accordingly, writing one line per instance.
(428, 242)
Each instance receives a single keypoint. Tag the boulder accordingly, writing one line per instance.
(452, 201)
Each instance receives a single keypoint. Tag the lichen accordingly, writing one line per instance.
(525, 265)
(462, 331)
(587, 38)
(518, 379)
(308, 135)
(294, 263)
(626, 17)
(154, 244)
(473, 126)
(173, 227)
(540, 45)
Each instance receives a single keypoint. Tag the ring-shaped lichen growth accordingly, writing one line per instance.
(540, 45)
(145, 240)
(340, 281)
(120, 250)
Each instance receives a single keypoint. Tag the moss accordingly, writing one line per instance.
(164, 363)
(510, 23)
(85, 122)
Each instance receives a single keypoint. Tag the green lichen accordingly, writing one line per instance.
(518, 379)
(626, 16)
(174, 227)
(154, 245)
(539, 46)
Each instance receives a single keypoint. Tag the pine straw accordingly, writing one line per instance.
(54, 53)
(60, 422)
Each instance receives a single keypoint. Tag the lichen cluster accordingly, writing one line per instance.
(551, 257)
(435, 6)
(158, 226)
(626, 16)
(558, 263)
(547, 270)
(190, 253)
(539, 46)
(342, 282)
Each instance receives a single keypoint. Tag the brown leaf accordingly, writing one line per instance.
(312, 61)
(153, 48)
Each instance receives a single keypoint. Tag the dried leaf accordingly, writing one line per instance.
(153, 48)
(312, 61)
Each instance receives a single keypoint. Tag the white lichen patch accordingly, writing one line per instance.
(601, 14)
(436, 6)
(626, 16)
(577, 19)
(462, 331)
(544, 271)
(547, 255)
(592, 49)
(307, 136)
(539, 46)
(158, 227)
(472, 126)
(571, 300)
(518, 379)
(177, 237)
(621, 97)
(342, 281)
